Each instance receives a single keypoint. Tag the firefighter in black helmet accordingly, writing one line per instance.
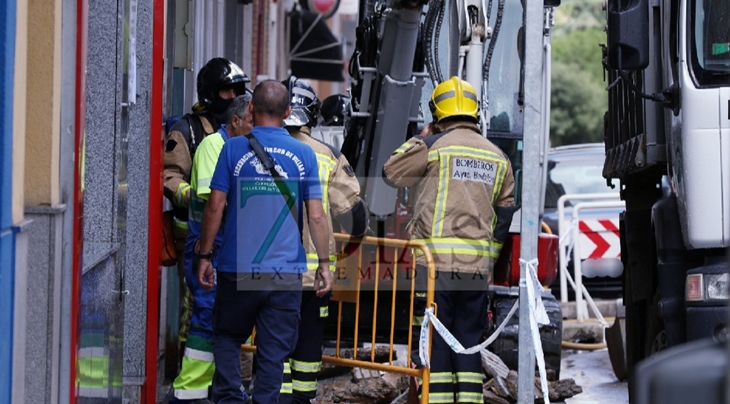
(335, 109)
(341, 199)
(219, 82)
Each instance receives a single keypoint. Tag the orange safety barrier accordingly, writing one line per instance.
(349, 266)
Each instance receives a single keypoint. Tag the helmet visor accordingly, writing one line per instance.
(298, 117)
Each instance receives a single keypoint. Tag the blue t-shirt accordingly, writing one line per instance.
(260, 233)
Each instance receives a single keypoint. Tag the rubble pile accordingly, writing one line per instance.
(504, 391)
(347, 385)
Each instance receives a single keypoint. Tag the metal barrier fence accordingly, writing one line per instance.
(570, 239)
(349, 267)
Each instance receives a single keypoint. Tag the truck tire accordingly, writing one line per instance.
(506, 345)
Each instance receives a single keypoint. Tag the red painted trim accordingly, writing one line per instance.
(149, 388)
(82, 13)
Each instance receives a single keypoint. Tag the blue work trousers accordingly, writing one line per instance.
(271, 304)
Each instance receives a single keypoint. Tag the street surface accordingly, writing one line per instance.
(592, 371)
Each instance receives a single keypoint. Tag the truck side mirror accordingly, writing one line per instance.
(628, 34)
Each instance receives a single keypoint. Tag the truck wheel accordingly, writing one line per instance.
(656, 336)
(506, 345)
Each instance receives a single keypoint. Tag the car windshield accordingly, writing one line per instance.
(574, 177)
(710, 20)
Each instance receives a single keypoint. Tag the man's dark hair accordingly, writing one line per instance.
(270, 98)
(239, 106)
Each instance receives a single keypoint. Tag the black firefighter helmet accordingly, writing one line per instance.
(334, 110)
(305, 105)
(219, 74)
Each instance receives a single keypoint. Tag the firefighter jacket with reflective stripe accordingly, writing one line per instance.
(178, 160)
(340, 194)
(457, 177)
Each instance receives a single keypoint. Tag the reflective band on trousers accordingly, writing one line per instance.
(469, 397)
(304, 386)
(441, 398)
(305, 367)
(442, 377)
(449, 245)
(469, 377)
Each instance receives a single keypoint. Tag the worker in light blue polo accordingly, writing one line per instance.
(265, 179)
(196, 374)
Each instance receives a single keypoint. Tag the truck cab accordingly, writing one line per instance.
(668, 65)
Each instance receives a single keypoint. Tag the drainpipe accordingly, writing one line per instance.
(149, 389)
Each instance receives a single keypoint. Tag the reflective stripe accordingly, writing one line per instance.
(180, 224)
(469, 377)
(198, 355)
(444, 96)
(417, 320)
(305, 367)
(439, 398)
(286, 388)
(440, 205)
(324, 311)
(191, 394)
(287, 367)
(180, 193)
(204, 182)
(313, 262)
(465, 397)
(326, 164)
(442, 377)
(304, 386)
(405, 146)
(452, 245)
(466, 151)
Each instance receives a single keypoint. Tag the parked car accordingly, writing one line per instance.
(577, 169)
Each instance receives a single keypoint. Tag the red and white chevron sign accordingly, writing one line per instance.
(599, 238)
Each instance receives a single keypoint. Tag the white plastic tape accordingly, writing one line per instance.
(455, 345)
(537, 315)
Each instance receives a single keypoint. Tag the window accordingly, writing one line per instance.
(709, 38)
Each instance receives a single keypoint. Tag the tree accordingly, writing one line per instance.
(577, 107)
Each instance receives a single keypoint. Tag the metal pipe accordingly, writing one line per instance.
(357, 303)
(392, 304)
(375, 304)
(407, 36)
(531, 180)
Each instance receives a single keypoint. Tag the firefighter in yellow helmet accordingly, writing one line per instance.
(463, 203)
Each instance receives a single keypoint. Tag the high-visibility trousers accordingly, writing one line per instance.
(196, 374)
(300, 384)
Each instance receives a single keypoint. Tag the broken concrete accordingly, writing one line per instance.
(372, 390)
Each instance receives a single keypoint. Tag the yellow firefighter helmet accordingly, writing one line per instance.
(454, 97)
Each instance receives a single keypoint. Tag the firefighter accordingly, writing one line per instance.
(463, 206)
(335, 109)
(341, 200)
(219, 81)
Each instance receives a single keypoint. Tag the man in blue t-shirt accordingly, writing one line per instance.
(261, 257)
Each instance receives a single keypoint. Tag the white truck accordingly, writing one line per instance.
(668, 65)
